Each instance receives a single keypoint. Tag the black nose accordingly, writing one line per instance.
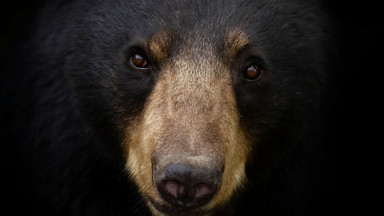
(185, 185)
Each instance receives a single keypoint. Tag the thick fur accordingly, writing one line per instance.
(76, 112)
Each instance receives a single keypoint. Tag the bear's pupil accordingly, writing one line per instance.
(254, 72)
(139, 61)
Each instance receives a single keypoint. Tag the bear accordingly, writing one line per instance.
(167, 108)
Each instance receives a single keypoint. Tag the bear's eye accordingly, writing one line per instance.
(253, 72)
(138, 61)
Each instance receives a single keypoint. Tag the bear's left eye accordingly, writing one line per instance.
(138, 61)
(253, 72)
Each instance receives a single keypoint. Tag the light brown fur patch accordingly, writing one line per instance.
(160, 44)
(235, 40)
(191, 111)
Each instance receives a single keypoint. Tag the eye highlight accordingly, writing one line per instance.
(137, 61)
(253, 72)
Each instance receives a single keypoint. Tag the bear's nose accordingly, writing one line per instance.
(186, 185)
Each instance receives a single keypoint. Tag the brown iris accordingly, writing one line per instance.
(253, 72)
(138, 61)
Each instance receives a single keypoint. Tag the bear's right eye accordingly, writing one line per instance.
(138, 61)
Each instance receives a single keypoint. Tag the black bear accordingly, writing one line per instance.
(172, 107)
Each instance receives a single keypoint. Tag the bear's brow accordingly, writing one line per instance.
(235, 40)
(159, 45)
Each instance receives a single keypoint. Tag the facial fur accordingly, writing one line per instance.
(191, 113)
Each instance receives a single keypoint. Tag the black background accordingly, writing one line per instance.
(355, 120)
(354, 104)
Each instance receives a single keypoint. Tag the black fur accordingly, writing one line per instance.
(63, 111)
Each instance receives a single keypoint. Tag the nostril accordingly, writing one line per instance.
(202, 190)
(186, 194)
(175, 188)
(187, 186)
(181, 194)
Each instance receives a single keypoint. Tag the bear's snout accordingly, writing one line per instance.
(186, 184)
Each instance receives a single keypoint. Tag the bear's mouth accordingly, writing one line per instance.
(180, 210)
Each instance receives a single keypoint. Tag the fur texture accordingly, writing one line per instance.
(85, 126)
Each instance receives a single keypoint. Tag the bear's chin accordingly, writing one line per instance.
(164, 209)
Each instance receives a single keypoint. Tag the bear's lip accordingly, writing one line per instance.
(169, 210)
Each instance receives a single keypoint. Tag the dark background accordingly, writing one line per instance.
(355, 118)
(354, 104)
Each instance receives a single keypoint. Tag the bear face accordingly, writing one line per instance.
(195, 89)
(199, 98)
(189, 122)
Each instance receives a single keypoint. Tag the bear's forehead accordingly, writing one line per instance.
(232, 41)
(205, 21)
